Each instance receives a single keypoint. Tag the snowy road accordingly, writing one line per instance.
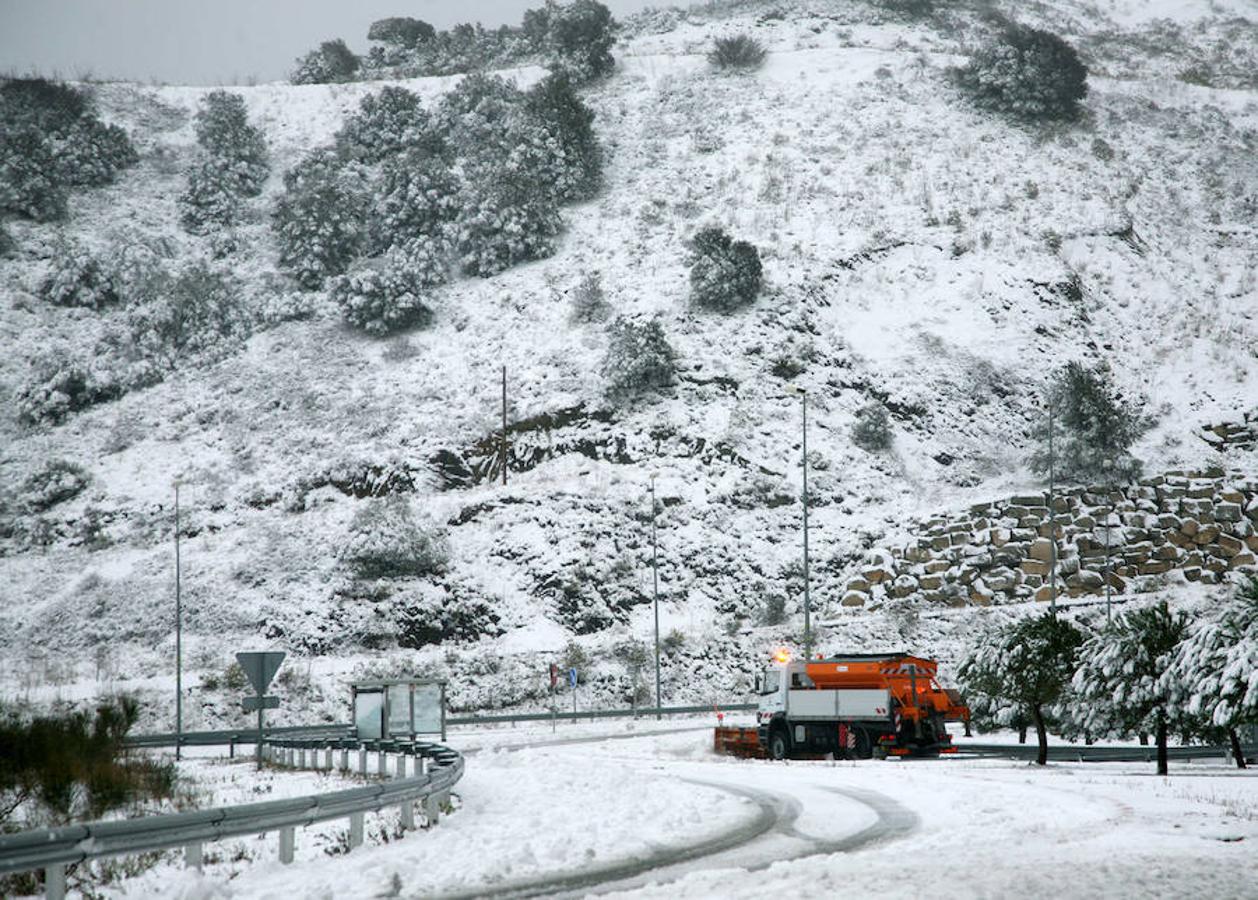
(648, 811)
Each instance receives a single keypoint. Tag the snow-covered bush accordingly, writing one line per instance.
(386, 540)
(29, 182)
(872, 429)
(1124, 682)
(417, 196)
(639, 358)
(401, 31)
(92, 153)
(56, 482)
(724, 274)
(579, 39)
(1215, 670)
(195, 315)
(319, 220)
(61, 383)
(450, 616)
(740, 52)
(555, 103)
(1092, 428)
(589, 303)
(333, 62)
(78, 278)
(392, 296)
(1020, 673)
(1026, 73)
(477, 109)
(387, 123)
(224, 132)
(212, 200)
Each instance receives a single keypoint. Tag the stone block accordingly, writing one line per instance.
(875, 574)
(1242, 561)
(1207, 534)
(854, 598)
(936, 565)
(1190, 527)
(858, 584)
(1001, 579)
(1041, 549)
(903, 586)
(1167, 551)
(1029, 500)
(1044, 594)
(1192, 573)
(1227, 512)
(1000, 537)
(1231, 495)
(930, 582)
(1252, 542)
(941, 542)
(1230, 545)
(1156, 567)
(1086, 580)
(1035, 567)
(1215, 565)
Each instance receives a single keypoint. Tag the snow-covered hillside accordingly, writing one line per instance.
(917, 252)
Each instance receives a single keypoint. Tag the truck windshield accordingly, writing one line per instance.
(770, 682)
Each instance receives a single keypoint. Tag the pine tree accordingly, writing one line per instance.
(1093, 428)
(333, 62)
(319, 220)
(555, 103)
(1021, 672)
(78, 278)
(417, 197)
(388, 123)
(1124, 683)
(1027, 73)
(29, 182)
(639, 358)
(579, 38)
(394, 293)
(224, 132)
(724, 274)
(387, 540)
(1215, 671)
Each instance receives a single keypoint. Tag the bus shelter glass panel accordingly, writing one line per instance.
(428, 719)
(369, 714)
(400, 709)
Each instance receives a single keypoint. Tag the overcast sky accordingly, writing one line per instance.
(212, 41)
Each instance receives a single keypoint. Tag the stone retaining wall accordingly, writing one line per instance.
(1204, 524)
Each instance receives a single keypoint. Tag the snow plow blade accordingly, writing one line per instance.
(740, 742)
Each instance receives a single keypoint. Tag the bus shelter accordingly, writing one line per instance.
(398, 708)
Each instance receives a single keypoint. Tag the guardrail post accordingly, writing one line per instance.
(344, 759)
(288, 838)
(362, 760)
(231, 749)
(301, 758)
(383, 764)
(355, 830)
(401, 765)
(327, 759)
(55, 882)
(432, 809)
(408, 815)
(192, 856)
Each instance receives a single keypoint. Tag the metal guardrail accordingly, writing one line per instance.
(436, 769)
(640, 712)
(233, 736)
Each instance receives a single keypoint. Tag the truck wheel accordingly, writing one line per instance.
(777, 745)
(864, 748)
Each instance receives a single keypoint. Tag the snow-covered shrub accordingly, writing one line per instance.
(386, 298)
(555, 103)
(212, 200)
(724, 274)
(1124, 682)
(417, 196)
(78, 278)
(872, 429)
(589, 303)
(479, 105)
(401, 31)
(61, 383)
(1026, 73)
(29, 182)
(452, 616)
(579, 39)
(911, 8)
(196, 314)
(1092, 428)
(1021, 673)
(319, 220)
(740, 52)
(509, 211)
(386, 540)
(224, 132)
(92, 153)
(56, 482)
(387, 123)
(639, 357)
(333, 62)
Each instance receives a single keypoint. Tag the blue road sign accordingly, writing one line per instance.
(572, 677)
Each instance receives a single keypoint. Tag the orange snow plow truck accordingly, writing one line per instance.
(855, 707)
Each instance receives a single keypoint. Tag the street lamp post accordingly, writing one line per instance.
(178, 638)
(1052, 514)
(655, 579)
(803, 396)
(1109, 517)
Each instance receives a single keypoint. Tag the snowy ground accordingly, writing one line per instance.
(568, 818)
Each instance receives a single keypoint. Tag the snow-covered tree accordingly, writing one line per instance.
(320, 219)
(555, 103)
(738, 52)
(1215, 671)
(639, 357)
(417, 197)
(579, 39)
(1020, 672)
(92, 153)
(387, 540)
(1125, 685)
(62, 382)
(724, 273)
(589, 302)
(212, 199)
(872, 429)
(29, 182)
(1093, 428)
(476, 111)
(78, 278)
(333, 62)
(387, 123)
(394, 293)
(224, 132)
(194, 314)
(401, 31)
(1027, 73)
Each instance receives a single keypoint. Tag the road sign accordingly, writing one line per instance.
(260, 667)
(554, 676)
(253, 704)
(572, 677)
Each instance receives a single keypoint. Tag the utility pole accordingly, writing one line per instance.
(1052, 516)
(803, 395)
(655, 579)
(178, 638)
(504, 425)
(1109, 516)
